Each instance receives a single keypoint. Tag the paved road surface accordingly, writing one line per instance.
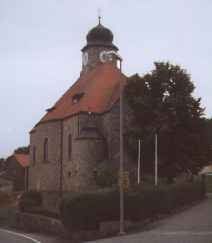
(13, 237)
(191, 226)
(7, 236)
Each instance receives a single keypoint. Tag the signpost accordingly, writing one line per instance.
(124, 181)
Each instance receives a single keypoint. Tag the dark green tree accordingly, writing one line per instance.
(162, 102)
(209, 131)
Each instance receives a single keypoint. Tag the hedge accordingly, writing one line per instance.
(29, 200)
(86, 211)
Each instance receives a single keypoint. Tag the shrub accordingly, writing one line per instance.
(44, 212)
(106, 174)
(86, 211)
(29, 200)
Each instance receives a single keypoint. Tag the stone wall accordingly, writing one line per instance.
(93, 153)
(45, 175)
(78, 170)
(111, 130)
(86, 152)
(70, 165)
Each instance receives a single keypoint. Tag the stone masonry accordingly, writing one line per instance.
(65, 151)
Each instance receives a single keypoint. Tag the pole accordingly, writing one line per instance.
(25, 179)
(139, 161)
(121, 163)
(156, 159)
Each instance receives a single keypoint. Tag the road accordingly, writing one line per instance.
(191, 226)
(8, 236)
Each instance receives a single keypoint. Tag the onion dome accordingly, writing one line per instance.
(100, 34)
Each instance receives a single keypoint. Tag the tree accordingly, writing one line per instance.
(162, 101)
(209, 131)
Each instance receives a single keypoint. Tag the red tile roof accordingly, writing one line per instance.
(23, 159)
(100, 88)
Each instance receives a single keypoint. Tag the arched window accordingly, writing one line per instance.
(69, 146)
(33, 155)
(45, 149)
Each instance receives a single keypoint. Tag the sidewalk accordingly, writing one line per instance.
(191, 226)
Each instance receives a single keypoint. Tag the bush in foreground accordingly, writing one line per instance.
(86, 211)
(29, 200)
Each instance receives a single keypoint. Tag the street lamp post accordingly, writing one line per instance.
(121, 165)
(139, 161)
(156, 159)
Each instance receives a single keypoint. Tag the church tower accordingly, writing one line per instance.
(99, 43)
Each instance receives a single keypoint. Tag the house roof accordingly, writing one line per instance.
(23, 159)
(95, 91)
(206, 170)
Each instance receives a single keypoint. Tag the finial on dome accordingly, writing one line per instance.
(99, 19)
(99, 15)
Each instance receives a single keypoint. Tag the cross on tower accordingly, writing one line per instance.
(99, 15)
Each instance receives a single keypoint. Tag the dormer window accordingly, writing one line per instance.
(76, 98)
(50, 109)
(45, 150)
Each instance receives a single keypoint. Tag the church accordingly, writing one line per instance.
(82, 128)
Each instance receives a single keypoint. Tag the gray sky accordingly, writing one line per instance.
(40, 43)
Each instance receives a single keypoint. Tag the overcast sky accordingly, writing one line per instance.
(40, 57)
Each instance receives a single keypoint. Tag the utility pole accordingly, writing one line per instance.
(139, 161)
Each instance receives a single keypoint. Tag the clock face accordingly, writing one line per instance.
(85, 59)
(103, 56)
